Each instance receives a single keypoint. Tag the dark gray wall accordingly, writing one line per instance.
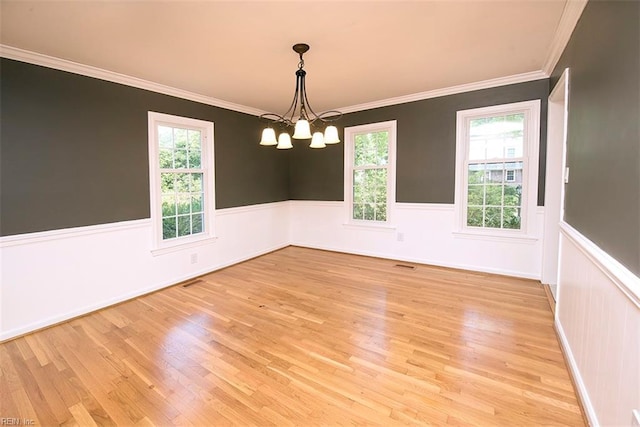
(73, 151)
(603, 193)
(426, 146)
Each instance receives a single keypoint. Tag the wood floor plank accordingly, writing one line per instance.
(302, 337)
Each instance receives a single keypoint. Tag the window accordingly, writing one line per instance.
(370, 172)
(181, 179)
(497, 168)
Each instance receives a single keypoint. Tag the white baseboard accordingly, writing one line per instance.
(583, 394)
(435, 263)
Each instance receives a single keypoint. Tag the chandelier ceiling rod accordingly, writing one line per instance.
(305, 118)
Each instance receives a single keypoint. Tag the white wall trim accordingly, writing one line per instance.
(568, 21)
(469, 87)
(621, 276)
(250, 208)
(575, 374)
(426, 206)
(42, 236)
(425, 262)
(319, 203)
(44, 323)
(22, 55)
(65, 233)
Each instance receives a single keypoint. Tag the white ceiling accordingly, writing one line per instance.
(240, 52)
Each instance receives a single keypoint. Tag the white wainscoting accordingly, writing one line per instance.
(53, 276)
(421, 233)
(598, 321)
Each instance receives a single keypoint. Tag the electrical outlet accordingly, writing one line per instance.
(635, 418)
(194, 258)
(400, 237)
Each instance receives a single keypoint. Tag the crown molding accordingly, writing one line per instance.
(570, 16)
(452, 90)
(35, 58)
(568, 21)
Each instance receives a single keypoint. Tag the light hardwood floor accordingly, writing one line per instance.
(302, 337)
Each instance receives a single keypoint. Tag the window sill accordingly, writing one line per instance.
(496, 236)
(183, 245)
(370, 226)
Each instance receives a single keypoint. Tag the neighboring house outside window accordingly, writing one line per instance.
(370, 173)
(181, 178)
(496, 168)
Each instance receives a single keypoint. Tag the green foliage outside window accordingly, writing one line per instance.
(181, 181)
(371, 156)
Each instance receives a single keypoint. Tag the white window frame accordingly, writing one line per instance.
(349, 155)
(506, 175)
(531, 111)
(159, 245)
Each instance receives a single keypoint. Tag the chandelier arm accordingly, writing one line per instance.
(329, 116)
(307, 104)
(294, 102)
(275, 118)
(300, 102)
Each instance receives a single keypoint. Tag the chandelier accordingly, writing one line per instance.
(300, 113)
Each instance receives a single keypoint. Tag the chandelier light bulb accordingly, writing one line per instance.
(284, 141)
(317, 141)
(303, 130)
(331, 135)
(268, 137)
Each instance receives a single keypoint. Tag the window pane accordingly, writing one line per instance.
(194, 138)
(494, 173)
(180, 138)
(180, 159)
(381, 194)
(196, 202)
(493, 195)
(167, 182)
(166, 159)
(475, 195)
(184, 204)
(358, 177)
(512, 218)
(476, 173)
(182, 182)
(371, 149)
(358, 194)
(184, 225)
(492, 217)
(165, 137)
(196, 182)
(358, 211)
(369, 212)
(496, 137)
(169, 227)
(369, 192)
(194, 159)
(168, 205)
(196, 223)
(381, 212)
(474, 217)
(513, 195)
(382, 147)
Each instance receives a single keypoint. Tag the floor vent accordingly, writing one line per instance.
(194, 282)
(406, 266)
